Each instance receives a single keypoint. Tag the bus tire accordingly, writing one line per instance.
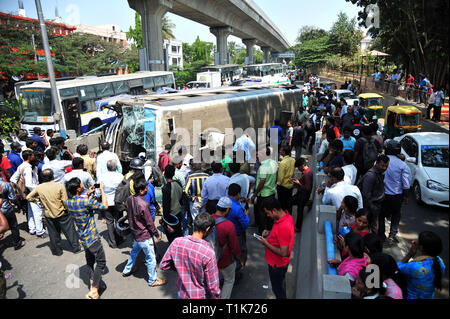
(94, 123)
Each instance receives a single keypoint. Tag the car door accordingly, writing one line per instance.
(409, 150)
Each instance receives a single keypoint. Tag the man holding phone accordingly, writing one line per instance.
(304, 187)
(279, 244)
(40, 139)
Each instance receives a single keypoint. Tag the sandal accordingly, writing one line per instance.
(158, 282)
(89, 296)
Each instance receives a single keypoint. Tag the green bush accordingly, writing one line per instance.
(9, 119)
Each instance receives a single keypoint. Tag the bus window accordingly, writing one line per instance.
(134, 83)
(104, 89)
(148, 83)
(88, 106)
(159, 81)
(168, 81)
(87, 93)
(68, 92)
(120, 87)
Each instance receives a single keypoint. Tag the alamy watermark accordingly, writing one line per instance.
(373, 16)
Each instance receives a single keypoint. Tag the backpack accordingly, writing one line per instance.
(213, 239)
(370, 153)
(121, 194)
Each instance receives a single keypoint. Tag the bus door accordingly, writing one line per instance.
(71, 109)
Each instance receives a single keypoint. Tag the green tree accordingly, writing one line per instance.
(312, 53)
(307, 33)
(414, 33)
(345, 36)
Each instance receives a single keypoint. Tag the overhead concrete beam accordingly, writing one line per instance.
(151, 12)
(222, 34)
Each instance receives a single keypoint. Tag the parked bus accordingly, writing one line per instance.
(228, 72)
(271, 73)
(77, 97)
(146, 123)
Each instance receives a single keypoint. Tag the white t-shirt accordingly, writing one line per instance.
(350, 174)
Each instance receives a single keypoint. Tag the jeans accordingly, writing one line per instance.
(95, 255)
(228, 274)
(392, 206)
(35, 225)
(111, 216)
(13, 226)
(66, 225)
(278, 280)
(300, 199)
(284, 195)
(437, 113)
(150, 259)
(242, 240)
(298, 151)
(261, 219)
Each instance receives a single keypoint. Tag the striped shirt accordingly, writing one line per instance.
(194, 184)
(81, 209)
(196, 265)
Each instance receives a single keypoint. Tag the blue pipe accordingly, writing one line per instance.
(330, 247)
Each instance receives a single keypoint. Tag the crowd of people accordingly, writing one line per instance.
(418, 89)
(205, 209)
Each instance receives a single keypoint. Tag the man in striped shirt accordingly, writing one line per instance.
(195, 262)
(81, 209)
(193, 190)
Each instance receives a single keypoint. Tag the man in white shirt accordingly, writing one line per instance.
(104, 157)
(30, 174)
(337, 189)
(349, 169)
(111, 179)
(85, 178)
(58, 167)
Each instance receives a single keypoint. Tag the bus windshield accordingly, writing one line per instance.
(35, 105)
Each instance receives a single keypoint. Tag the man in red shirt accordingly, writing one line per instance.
(278, 245)
(5, 165)
(164, 158)
(228, 241)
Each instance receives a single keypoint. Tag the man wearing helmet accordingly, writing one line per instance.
(396, 186)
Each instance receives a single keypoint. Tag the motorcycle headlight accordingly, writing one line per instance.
(435, 186)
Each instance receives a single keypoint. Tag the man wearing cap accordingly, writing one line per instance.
(164, 158)
(228, 241)
(14, 157)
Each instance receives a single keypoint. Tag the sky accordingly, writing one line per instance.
(288, 16)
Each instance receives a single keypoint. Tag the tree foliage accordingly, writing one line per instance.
(307, 33)
(414, 33)
(345, 36)
(311, 53)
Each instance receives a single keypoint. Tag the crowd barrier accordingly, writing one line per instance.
(313, 278)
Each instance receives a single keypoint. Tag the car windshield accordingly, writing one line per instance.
(35, 104)
(408, 119)
(347, 96)
(435, 156)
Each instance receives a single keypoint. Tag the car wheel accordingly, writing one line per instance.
(417, 193)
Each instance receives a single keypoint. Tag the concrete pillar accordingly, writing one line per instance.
(336, 287)
(266, 58)
(222, 34)
(151, 12)
(249, 43)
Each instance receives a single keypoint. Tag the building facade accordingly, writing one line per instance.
(174, 51)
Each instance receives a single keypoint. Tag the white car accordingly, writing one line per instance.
(427, 158)
(347, 95)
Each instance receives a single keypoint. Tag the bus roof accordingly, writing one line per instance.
(93, 79)
(263, 64)
(200, 96)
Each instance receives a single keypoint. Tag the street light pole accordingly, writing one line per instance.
(58, 112)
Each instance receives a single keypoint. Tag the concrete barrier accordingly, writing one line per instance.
(313, 280)
(92, 141)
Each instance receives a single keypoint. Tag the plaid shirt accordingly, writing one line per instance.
(80, 208)
(195, 262)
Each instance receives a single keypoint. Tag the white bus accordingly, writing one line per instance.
(269, 73)
(77, 97)
(228, 72)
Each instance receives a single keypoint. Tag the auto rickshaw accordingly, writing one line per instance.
(373, 104)
(401, 119)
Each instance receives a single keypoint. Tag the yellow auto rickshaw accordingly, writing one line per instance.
(401, 119)
(372, 103)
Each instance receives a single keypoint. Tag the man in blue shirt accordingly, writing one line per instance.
(40, 139)
(243, 180)
(280, 134)
(14, 157)
(214, 188)
(239, 217)
(396, 186)
(423, 86)
(440, 97)
(348, 140)
(245, 143)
